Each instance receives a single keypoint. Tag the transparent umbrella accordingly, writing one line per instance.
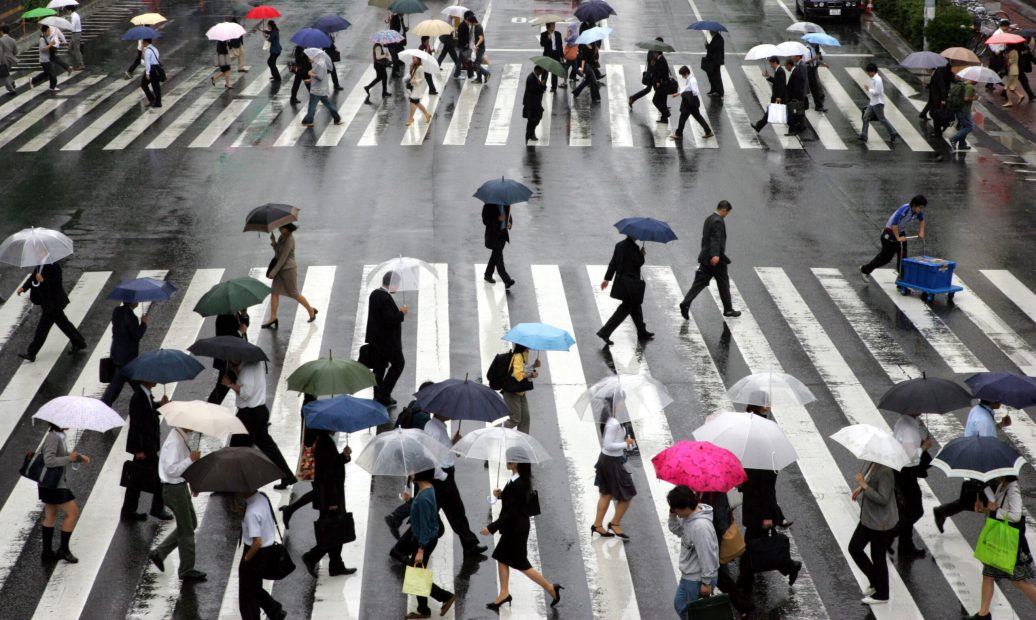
(402, 452)
(503, 445)
(626, 396)
(408, 274)
(770, 389)
(35, 246)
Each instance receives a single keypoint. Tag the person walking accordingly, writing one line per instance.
(532, 100)
(660, 78)
(1006, 503)
(153, 73)
(425, 530)
(959, 101)
(331, 56)
(646, 78)
(58, 497)
(875, 110)
(77, 39)
(513, 525)
(302, 69)
(427, 47)
(778, 89)
(384, 338)
(418, 87)
(319, 90)
(814, 59)
(222, 65)
(722, 519)
(136, 61)
(798, 93)
(908, 491)
(250, 388)
(712, 63)
(328, 497)
(174, 459)
(553, 47)
(258, 534)
(514, 392)
(893, 236)
(1011, 57)
(8, 57)
(127, 331)
(690, 105)
(612, 479)
(47, 292)
(712, 262)
(691, 521)
(57, 41)
(463, 48)
(447, 495)
(143, 441)
(237, 49)
(284, 271)
(382, 61)
(397, 23)
(878, 518)
(624, 266)
(938, 90)
(235, 324)
(273, 37)
(478, 41)
(47, 73)
(497, 220)
(449, 47)
(1025, 65)
(589, 60)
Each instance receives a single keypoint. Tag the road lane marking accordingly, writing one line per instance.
(761, 88)
(503, 107)
(220, 124)
(739, 121)
(37, 114)
(176, 128)
(618, 110)
(150, 115)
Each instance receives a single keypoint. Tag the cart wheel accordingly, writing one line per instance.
(927, 297)
(904, 291)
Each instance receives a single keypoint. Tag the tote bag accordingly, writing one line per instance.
(998, 545)
(777, 113)
(417, 580)
(731, 545)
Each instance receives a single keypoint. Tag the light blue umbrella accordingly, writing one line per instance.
(346, 414)
(590, 35)
(386, 37)
(820, 38)
(540, 337)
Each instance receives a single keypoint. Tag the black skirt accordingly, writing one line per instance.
(513, 548)
(55, 496)
(613, 479)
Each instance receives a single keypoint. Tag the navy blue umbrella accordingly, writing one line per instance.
(346, 414)
(593, 11)
(503, 192)
(461, 399)
(163, 366)
(311, 37)
(978, 458)
(142, 289)
(710, 26)
(1004, 387)
(139, 33)
(331, 23)
(646, 229)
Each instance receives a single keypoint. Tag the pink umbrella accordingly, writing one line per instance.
(701, 465)
(1005, 38)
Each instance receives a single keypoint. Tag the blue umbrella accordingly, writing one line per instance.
(540, 337)
(1004, 387)
(978, 458)
(820, 38)
(594, 10)
(163, 366)
(461, 399)
(331, 23)
(503, 192)
(139, 33)
(311, 37)
(142, 289)
(591, 35)
(346, 414)
(646, 229)
(710, 26)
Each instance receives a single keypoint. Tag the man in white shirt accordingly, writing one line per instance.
(875, 110)
(690, 104)
(57, 40)
(174, 459)
(253, 413)
(77, 34)
(258, 534)
(446, 492)
(44, 47)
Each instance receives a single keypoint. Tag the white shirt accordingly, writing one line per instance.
(691, 86)
(436, 429)
(996, 48)
(613, 442)
(258, 521)
(57, 38)
(251, 378)
(175, 456)
(77, 22)
(877, 91)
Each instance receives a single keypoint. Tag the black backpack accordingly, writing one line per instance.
(499, 371)
(412, 416)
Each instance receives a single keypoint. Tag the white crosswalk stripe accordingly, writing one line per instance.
(503, 108)
(82, 109)
(150, 116)
(348, 110)
(618, 111)
(176, 128)
(38, 113)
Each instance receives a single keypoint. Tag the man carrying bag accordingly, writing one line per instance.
(258, 535)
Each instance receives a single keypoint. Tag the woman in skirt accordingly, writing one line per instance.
(613, 480)
(222, 64)
(1007, 501)
(284, 274)
(58, 497)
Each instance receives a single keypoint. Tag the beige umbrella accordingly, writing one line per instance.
(147, 19)
(202, 417)
(431, 28)
(546, 19)
(960, 55)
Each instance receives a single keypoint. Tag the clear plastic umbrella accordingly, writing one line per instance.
(979, 74)
(756, 441)
(402, 452)
(770, 389)
(57, 22)
(626, 396)
(870, 443)
(500, 442)
(79, 412)
(804, 27)
(454, 11)
(35, 246)
(408, 274)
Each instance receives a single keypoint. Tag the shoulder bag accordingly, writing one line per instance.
(139, 476)
(35, 469)
(278, 563)
(769, 552)
(731, 544)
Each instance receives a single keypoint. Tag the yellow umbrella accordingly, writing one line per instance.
(432, 28)
(147, 19)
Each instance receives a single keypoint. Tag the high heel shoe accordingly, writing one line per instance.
(600, 531)
(274, 324)
(621, 535)
(313, 317)
(496, 606)
(557, 594)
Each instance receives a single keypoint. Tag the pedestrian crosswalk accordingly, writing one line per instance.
(832, 326)
(196, 114)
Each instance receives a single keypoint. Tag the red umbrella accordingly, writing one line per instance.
(1005, 38)
(701, 465)
(262, 12)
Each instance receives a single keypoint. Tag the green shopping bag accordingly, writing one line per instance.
(417, 580)
(998, 545)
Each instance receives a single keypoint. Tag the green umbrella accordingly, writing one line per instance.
(331, 376)
(239, 10)
(408, 6)
(656, 46)
(381, 4)
(550, 65)
(230, 296)
(38, 12)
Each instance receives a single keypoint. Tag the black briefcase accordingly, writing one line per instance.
(334, 529)
(715, 607)
(140, 476)
(106, 370)
(769, 552)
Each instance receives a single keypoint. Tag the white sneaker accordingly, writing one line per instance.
(55, 89)
(870, 600)
(869, 591)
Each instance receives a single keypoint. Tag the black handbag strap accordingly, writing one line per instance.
(274, 515)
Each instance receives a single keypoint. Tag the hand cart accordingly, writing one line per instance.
(929, 275)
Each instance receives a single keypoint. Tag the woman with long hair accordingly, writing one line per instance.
(1007, 504)
(418, 87)
(273, 37)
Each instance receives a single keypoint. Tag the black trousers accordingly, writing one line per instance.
(132, 498)
(661, 103)
(531, 123)
(813, 75)
(910, 511)
(380, 75)
(1023, 79)
(715, 79)
(388, 366)
(111, 393)
(46, 73)
(334, 553)
(875, 567)
(136, 63)
(451, 50)
(625, 309)
(300, 77)
(641, 93)
(496, 258)
(705, 273)
(890, 248)
(50, 317)
(220, 391)
(334, 77)
(251, 597)
(271, 62)
(257, 421)
(691, 106)
(448, 496)
(970, 492)
(438, 593)
(154, 93)
(56, 60)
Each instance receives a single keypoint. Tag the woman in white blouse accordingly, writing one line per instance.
(418, 87)
(613, 480)
(1007, 502)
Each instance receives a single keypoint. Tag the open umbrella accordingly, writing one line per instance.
(229, 348)
(791, 48)
(163, 366)
(331, 376)
(462, 399)
(1016, 391)
(626, 396)
(551, 65)
(57, 22)
(594, 11)
(804, 27)
(312, 37)
(140, 33)
(406, 7)
(656, 46)
(240, 10)
(770, 389)
(381, 4)
(432, 28)
(230, 296)
(344, 414)
(35, 246)
(408, 274)
(923, 60)
(147, 19)
(500, 443)
(262, 12)
(982, 75)
(700, 465)
(978, 458)
(225, 31)
(38, 12)
(455, 10)
(60, 4)
(590, 35)
(550, 18)
(331, 23)
(142, 289)
(401, 452)
(646, 229)
(820, 38)
(79, 412)
(869, 443)
(202, 417)
(540, 337)
(427, 60)
(756, 441)
(232, 470)
(270, 216)
(960, 55)
(763, 52)
(385, 37)
(925, 395)
(1004, 38)
(707, 25)
(503, 192)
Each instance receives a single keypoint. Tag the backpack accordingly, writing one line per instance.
(412, 416)
(499, 370)
(955, 100)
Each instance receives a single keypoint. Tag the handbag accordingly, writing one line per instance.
(671, 85)
(715, 607)
(106, 370)
(307, 465)
(532, 504)
(777, 114)
(769, 552)
(159, 72)
(417, 580)
(34, 468)
(334, 530)
(335, 55)
(269, 268)
(278, 563)
(139, 476)
(645, 78)
(731, 544)
(997, 545)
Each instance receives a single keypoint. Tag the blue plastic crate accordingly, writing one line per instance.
(928, 272)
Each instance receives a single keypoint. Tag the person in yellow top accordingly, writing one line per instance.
(515, 400)
(1011, 81)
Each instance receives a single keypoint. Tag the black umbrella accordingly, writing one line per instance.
(461, 399)
(978, 458)
(232, 470)
(270, 217)
(229, 348)
(925, 395)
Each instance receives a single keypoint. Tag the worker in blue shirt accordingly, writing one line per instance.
(425, 530)
(893, 237)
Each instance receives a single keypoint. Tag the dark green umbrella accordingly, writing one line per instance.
(331, 376)
(230, 296)
(656, 46)
(550, 65)
(38, 12)
(232, 470)
(239, 10)
(406, 7)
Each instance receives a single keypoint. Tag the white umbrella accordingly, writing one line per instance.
(408, 274)
(455, 11)
(762, 52)
(804, 27)
(202, 417)
(79, 412)
(315, 54)
(758, 442)
(35, 246)
(627, 396)
(770, 389)
(225, 31)
(552, 18)
(402, 452)
(979, 74)
(501, 443)
(869, 443)
(60, 4)
(427, 60)
(147, 19)
(791, 48)
(57, 22)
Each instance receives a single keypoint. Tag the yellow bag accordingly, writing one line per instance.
(417, 580)
(731, 545)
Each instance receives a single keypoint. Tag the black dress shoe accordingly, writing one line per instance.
(685, 311)
(133, 516)
(49, 555)
(794, 574)
(165, 515)
(336, 571)
(393, 526)
(280, 614)
(732, 313)
(399, 557)
(311, 564)
(193, 575)
(508, 284)
(607, 341)
(67, 556)
(940, 519)
(646, 336)
(476, 550)
(295, 102)
(489, 279)
(29, 357)
(157, 561)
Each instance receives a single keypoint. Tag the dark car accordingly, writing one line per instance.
(849, 10)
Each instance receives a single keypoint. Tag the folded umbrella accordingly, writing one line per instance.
(655, 46)
(791, 48)
(312, 37)
(263, 12)
(427, 60)
(626, 396)
(594, 11)
(408, 274)
(432, 28)
(270, 216)
(869, 443)
(503, 192)
(646, 229)
(147, 19)
(142, 289)
(540, 337)
(923, 60)
(401, 452)
(590, 35)
(820, 38)
(804, 27)
(230, 296)
(225, 31)
(229, 348)
(202, 417)
(925, 395)
(1013, 390)
(707, 25)
(163, 366)
(384, 37)
(763, 52)
(462, 399)
(344, 414)
(331, 23)
(140, 33)
(700, 465)
(982, 75)
(770, 389)
(978, 458)
(331, 376)
(550, 18)
(38, 12)
(405, 7)
(756, 441)
(35, 246)
(551, 65)
(79, 412)
(502, 444)
(960, 55)
(232, 470)
(57, 22)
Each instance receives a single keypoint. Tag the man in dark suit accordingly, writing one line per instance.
(46, 291)
(659, 78)
(532, 104)
(497, 220)
(127, 331)
(143, 441)
(384, 338)
(778, 89)
(798, 89)
(712, 62)
(712, 262)
(553, 47)
(235, 324)
(627, 259)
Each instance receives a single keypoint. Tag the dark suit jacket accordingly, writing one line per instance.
(659, 70)
(384, 321)
(760, 503)
(714, 51)
(798, 83)
(143, 434)
(626, 260)
(50, 293)
(713, 240)
(559, 47)
(496, 236)
(532, 101)
(779, 85)
(127, 330)
(328, 474)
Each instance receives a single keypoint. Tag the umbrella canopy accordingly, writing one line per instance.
(315, 53)
(35, 246)
(763, 52)
(240, 10)
(270, 216)
(331, 23)
(756, 441)
(202, 417)
(462, 399)
(501, 443)
(590, 35)
(331, 376)
(312, 37)
(344, 414)
(455, 11)
(163, 366)
(707, 25)
(230, 296)
(427, 60)
(700, 465)
(384, 37)
(432, 28)
(923, 60)
(925, 395)
(820, 38)
(229, 348)
(960, 55)
(770, 389)
(550, 18)
(1004, 38)
(804, 27)
(142, 289)
(401, 452)
(791, 48)
(978, 458)
(408, 274)
(551, 65)
(38, 12)
(262, 12)
(869, 443)
(503, 192)
(147, 19)
(646, 229)
(1016, 391)
(907, 432)
(656, 46)
(140, 33)
(79, 412)
(982, 75)
(381, 4)
(540, 337)
(232, 470)
(626, 396)
(57, 22)
(60, 4)
(225, 31)
(405, 7)
(593, 11)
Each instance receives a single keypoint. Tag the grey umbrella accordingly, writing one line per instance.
(232, 470)
(923, 60)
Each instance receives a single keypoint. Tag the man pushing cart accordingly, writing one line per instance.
(893, 236)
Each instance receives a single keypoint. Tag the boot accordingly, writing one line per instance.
(63, 552)
(48, 545)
